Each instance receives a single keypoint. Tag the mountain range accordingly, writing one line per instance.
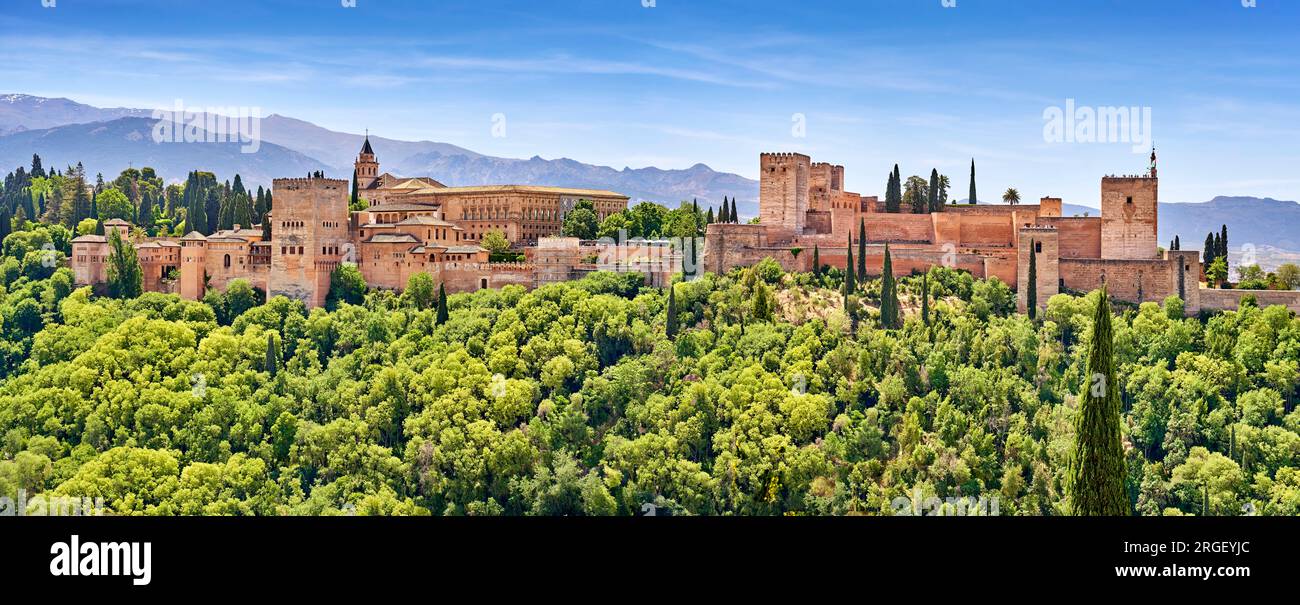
(108, 140)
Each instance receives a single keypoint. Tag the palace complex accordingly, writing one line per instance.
(803, 205)
(418, 225)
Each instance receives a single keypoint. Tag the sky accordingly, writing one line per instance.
(672, 83)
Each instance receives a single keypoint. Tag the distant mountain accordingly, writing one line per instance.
(20, 112)
(665, 186)
(1250, 220)
(318, 148)
(109, 147)
(339, 149)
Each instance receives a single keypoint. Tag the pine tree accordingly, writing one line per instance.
(849, 283)
(671, 323)
(1031, 304)
(817, 261)
(1097, 469)
(972, 199)
(442, 315)
(272, 354)
(862, 250)
(37, 170)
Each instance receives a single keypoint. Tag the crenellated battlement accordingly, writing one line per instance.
(310, 183)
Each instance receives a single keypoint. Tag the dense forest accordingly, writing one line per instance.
(758, 392)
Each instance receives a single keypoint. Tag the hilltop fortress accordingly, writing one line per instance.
(803, 205)
(415, 225)
(418, 225)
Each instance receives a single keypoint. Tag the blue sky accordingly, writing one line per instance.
(613, 82)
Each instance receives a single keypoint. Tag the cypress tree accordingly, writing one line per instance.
(890, 318)
(862, 250)
(735, 216)
(671, 323)
(972, 198)
(722, 211)
(817, 261)
(1097, 469)
(925, 298)
(355, 194)
(1178, 245)
(708, 217)
(6, 222)
(442, 305)
(1210, 248)
(935, 206)
(1223, 245)
(99, 226)
(849, 285)
(272, 354)
(1031, 305)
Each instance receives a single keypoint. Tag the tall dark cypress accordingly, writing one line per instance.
(442, 315)
(817, 261)
(890, 318)
(735, 216)
(934, 191)
(722, 211)
(849, 283)
(1178, 245)
(1223, 244)
(272, 354)
(1097, 469)
(355, 195)
(1031, 303)
(1211, 246)
(671, 322)
(862, 250)
(925, 298)
(972, 198)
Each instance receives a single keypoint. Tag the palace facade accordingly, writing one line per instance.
(411, 226)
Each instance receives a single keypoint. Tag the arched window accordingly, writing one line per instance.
(226, 261)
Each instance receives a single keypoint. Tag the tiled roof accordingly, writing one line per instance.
(393, 238)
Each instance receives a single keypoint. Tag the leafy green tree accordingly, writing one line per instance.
(1097, 469)
(419, 291)
(346, 286)
(112, 204)
(495, 241)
